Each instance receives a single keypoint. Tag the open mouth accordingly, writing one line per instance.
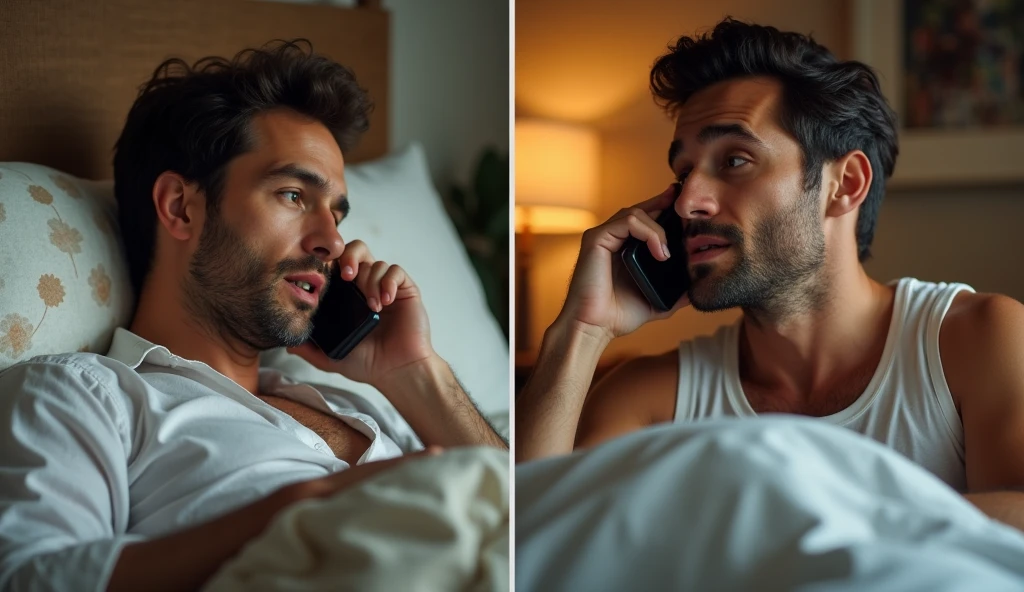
(703, 244)
(308, 287)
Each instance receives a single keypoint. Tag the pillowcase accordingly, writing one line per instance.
(397, 212)
(64, 283)
(63, 279)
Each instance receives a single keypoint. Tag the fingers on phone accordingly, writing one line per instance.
(641, 226)
(393, 277)
(377, 271)
(356, 253)
(379, 283)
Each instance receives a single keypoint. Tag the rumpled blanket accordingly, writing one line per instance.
(432, 523)
(773, 503)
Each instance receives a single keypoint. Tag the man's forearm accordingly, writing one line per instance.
(548, 410)
(437, 408)
(186, 559)
(1004, 506)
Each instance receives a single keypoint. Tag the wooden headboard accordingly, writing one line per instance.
(70, 70)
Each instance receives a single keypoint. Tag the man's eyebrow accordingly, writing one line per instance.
(713, 132)
(342, 204)
(294, 171)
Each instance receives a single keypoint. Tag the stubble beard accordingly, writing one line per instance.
(231, 292)
(780, 276)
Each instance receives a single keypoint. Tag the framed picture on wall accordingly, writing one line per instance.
(954, 72)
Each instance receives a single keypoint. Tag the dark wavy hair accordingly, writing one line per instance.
(194, 120)
(830, 107)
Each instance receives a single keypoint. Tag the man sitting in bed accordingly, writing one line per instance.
(781, 153)
(149, 467)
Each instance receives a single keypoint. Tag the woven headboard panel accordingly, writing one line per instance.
(70, 70)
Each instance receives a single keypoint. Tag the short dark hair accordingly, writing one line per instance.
(194, 120)
(830, 107)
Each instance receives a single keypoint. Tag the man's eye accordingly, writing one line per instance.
(290, 195)
(735, 161)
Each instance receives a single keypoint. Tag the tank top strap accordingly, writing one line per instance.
(945, 293)
(704, 365)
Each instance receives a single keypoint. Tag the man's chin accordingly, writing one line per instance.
(711, 292)
(295, 331)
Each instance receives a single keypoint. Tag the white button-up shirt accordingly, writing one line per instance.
(99, 451)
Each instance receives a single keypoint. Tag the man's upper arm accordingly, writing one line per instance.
(982, 351)
(637, 394)
(63, 477)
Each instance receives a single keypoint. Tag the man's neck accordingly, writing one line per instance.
(161, 319)
(803, 353)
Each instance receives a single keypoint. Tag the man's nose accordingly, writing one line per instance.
(697, 197)
(322, 239)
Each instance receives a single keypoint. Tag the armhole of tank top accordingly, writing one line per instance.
(684, 390)
(936, 374)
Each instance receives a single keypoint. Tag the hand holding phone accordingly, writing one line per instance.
(663, 283)
(343, 318)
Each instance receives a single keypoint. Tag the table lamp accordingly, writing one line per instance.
(556, 191)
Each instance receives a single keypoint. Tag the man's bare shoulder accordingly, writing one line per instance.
(980, 332)
(638, 393)
(643, 374)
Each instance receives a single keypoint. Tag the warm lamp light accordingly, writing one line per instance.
(556, 187)
(556, 177)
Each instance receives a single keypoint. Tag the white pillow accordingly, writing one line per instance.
(63, 279)
(400, 216)
(64, 282)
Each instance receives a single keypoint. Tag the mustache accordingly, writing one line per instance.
(700, 226)
(306, 264)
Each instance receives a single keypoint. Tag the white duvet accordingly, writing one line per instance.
(431, 524)
(754, 504)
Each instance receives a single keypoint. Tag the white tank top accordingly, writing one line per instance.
(907, 405)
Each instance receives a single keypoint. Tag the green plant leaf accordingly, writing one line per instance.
(497, 226)
(454, 205)
(494, 292)
(491, 185)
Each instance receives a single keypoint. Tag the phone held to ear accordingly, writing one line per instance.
(663, 283)
(343, 318)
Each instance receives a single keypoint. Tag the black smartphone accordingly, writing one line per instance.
(343, 318)
(663, 283)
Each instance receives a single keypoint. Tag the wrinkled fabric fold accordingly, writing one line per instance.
(773, 503)
(432, 523)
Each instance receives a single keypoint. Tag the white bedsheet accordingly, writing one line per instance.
(774, 503)
(431, 524)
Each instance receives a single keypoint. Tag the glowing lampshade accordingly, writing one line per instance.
(556, 177)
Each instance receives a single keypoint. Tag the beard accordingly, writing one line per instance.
(775, 276)
(234, 293)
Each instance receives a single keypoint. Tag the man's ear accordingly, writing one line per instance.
(179, 205)
(851, 180)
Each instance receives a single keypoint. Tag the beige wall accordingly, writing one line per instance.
(970, 235)
(449, 80)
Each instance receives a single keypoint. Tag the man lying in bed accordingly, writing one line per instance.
(152, 465)
(781, 155)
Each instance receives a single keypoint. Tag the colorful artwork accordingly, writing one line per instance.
(963, 63)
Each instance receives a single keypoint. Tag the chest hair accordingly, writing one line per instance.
(345, 442)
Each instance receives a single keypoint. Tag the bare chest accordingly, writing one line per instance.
(828, 400)
(345, 442)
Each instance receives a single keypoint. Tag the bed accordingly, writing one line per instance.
(69, 71)
(774, 503)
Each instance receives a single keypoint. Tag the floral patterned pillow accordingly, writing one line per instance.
(63, 279)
